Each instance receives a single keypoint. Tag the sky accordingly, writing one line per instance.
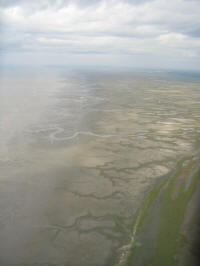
(112, 33)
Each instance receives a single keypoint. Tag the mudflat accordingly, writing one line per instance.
(98, 167)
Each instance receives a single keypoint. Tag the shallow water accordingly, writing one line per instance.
(79, 151)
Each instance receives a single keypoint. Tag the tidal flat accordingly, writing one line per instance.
(99, 167)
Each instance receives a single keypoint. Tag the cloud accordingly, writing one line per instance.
(158, 28)
(61, 3)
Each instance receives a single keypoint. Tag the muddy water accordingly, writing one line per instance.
(79, 151)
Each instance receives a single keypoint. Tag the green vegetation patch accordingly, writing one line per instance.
(173, 200)
(172, 217)
(140, 216)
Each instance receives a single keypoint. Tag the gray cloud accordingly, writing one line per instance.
(9, 3)
(194, 33)
(147, 28)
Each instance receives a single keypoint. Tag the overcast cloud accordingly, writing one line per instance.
(138, 33)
